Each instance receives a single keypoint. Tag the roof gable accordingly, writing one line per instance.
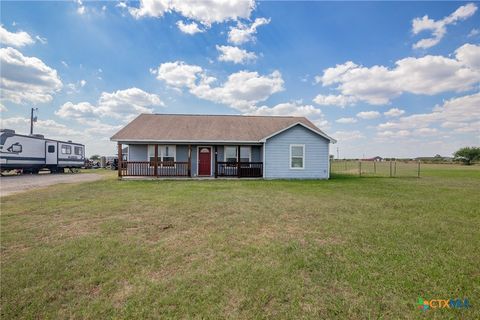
(205, 128)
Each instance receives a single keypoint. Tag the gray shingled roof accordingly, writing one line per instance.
(179, 127)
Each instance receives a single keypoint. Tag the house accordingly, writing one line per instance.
(377, 158)
(175, 145)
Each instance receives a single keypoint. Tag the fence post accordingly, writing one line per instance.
(374, 168)
(345, 162)
(395, 168)
(390, 168)
(418, 174)
(360, 168)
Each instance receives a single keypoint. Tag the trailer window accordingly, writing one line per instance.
(66, 149)
(78, 151)
(51, 149)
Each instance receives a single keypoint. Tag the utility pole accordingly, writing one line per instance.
(32, 119)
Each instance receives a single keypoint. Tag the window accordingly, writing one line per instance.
(245, 154)
(51, 149)
(230, 154)
(166, 154)
(297, 155)
(78, 151)
(66, 149)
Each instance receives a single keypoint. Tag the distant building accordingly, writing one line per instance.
(377, 158)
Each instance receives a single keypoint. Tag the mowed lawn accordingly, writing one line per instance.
(346, 248)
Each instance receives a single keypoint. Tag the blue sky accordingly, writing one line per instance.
(390, 79)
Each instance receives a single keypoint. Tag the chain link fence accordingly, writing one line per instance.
(394, 168)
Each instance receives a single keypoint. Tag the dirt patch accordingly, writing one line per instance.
(121, 295)
(15, 184)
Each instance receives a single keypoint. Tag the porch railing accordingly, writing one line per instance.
(147, 168)
(240, 169)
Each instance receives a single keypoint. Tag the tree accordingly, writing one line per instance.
(95, 157)
(468, 154)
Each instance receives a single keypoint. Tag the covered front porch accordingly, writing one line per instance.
(191, 161)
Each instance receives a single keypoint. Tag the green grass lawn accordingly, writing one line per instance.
(345, 248)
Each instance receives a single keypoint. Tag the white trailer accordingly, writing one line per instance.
(35, 152)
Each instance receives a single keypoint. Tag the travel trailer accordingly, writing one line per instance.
(35, 152)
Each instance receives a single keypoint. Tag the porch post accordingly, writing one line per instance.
(190, 160)
(216, 162)
(155, 161)
(238, 161)
(120, 158)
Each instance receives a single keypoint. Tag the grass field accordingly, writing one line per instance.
(346, 248)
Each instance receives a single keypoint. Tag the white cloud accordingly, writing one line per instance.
(474, 32)
(243, 33)
(426, 131)
(335, 100)
(346, 120)
(368, 115)
(3, 108)
(127, 103)
(190, 28)
(235, 55)
(41, 39)
(26, 79)
(178, 74)
(394, 134)
(242, 90)
(75, 87)
(439, 27)
(16, 39)
(460, 115)
(427, 75)
(469, 55)
(347, 135)
(206, 12)
(81, 8)
(121, 104)
(293, 109)
(287, 109)
(394, 112)
(82, 110)
(121, 4)
(50, 128)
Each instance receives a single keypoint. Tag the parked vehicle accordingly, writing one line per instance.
(35, 152)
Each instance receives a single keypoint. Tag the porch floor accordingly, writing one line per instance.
(185, 178)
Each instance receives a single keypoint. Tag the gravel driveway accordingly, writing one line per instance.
(15, 184)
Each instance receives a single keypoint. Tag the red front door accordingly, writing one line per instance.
(204, 161)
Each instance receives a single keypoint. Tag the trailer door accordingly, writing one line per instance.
(51, 153)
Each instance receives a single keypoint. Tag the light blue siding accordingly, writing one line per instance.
(137, 152)
(277, 155)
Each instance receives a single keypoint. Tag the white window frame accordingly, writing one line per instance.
(66, 147)
(236, 152)
(75, 148)
(303, 157)
(225, 152)
(249, 154)
(162, 149)
(161, 152)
